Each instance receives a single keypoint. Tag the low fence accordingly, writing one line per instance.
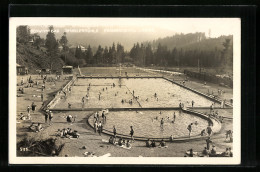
(210, 78)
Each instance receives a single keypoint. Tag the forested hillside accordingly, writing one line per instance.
(33, 58)
(179, 50)
(185, 50)
(32, 52)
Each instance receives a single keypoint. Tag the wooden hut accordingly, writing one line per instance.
(67, 69)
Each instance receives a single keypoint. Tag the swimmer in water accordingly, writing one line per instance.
(162, 123)
(174, 116)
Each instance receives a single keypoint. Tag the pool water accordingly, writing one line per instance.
(168, 94)
(145, 124)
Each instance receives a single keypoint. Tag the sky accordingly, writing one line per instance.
(218, 26)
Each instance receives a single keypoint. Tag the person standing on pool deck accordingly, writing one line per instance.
(33, 107)
(209, 130)
(208, 141)
(46, 116)
(50, 117)
(189, 128)
(97, 116)
(192, 103)
(100, 127)
(95, 126)
(132, 133)
(103, 115)
(28, 109)
(114, 131)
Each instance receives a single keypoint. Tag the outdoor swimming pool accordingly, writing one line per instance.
(168, 94)
(145, 124)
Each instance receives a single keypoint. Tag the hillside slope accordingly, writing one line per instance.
(209, 44)
(33, 58)
(192, 41)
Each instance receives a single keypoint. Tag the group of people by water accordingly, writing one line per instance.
(210, 150)
(121, 142)
(68, 133)
(98, 122)
(151, 143)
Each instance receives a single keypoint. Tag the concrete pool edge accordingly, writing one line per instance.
(212, 120)
(198, 92)
(56, 99)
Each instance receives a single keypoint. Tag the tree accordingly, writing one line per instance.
(98, 56)
(148, 55)
(64, 42)
(105, 56)
(120, 54)
(51, 44)
(37, 40)
(22, 34)
(113, 53)
(78, 52)
(89, 55)
(227, 54)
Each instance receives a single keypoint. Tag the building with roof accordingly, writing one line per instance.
(21, 70)
(67, 69)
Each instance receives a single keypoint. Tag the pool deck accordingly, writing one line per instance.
(94, 142)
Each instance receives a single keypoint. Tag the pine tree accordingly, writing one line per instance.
(98, 55)
(51, 44)
(64, 42)
(78, 52)
(89, 55)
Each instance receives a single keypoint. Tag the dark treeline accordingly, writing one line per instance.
(213, 52)
(103, 56)
(191, 49)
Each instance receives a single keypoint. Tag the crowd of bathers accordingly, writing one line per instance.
(68, 133)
